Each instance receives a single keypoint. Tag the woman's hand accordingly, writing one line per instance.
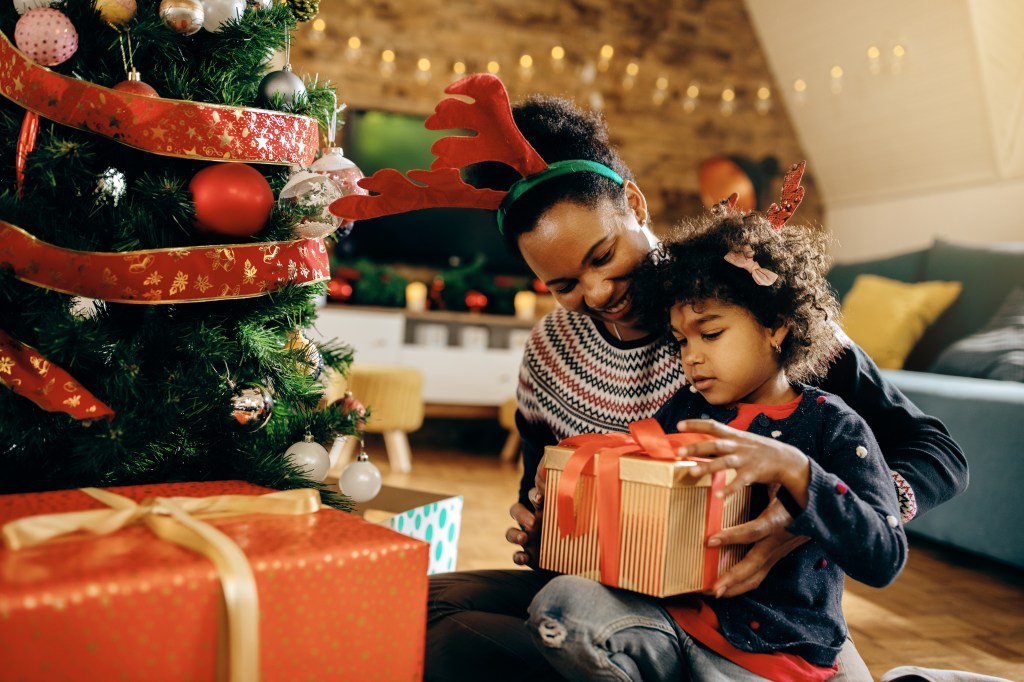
(770, 542)
(527, 535)
(756, 459)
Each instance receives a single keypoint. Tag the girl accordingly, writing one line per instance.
(752, 314)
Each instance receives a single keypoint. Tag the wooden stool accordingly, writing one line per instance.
(394, 397)
(507, 419)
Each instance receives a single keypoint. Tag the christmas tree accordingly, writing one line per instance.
(153, 283)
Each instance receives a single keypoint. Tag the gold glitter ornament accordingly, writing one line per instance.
(304, 10)
(311, 362)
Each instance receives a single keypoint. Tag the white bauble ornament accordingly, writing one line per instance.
(345, 174)
(313, 194)
(219, 12)
(360, 480)
(22, 6)
(85, 308)
(309, 457)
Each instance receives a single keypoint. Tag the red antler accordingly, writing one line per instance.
(497, 139)
(396, 194)
(490, 115)
(792, 195)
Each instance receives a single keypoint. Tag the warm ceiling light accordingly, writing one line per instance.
(799, 85)
(423, 64)
(558, 52)
(898, 51)
(319, 25)
(493, 67)
(764, 92)
(459, 68)
(728, 95)
(693, 91)
(632, 69)
(387, 56)
(607, 51)
(873, 52)
(661, 83)
(836, 71)
(354, 42)
(526, 61)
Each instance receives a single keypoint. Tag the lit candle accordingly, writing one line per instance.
(416, 296)
(525, 304)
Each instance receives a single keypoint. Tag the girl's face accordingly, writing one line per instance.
(586, 256)
(728, 356)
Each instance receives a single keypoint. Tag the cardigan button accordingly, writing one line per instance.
(763, 420)
(841, 488)
(892, 521)
(822, 563)
(861, 451)
(776, 434)
(820, 399)
(754, 625)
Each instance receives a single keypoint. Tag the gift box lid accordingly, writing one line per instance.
(640, 469)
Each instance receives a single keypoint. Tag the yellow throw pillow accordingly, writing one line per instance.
(886, 317)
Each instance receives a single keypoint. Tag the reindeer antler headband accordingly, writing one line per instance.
(497, 139)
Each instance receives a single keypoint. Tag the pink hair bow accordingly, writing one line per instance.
(745, 259)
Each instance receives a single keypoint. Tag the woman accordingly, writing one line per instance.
(590, 366)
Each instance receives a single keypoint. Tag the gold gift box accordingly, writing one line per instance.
(662, 525)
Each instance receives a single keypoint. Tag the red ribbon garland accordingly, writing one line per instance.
(28, 373)
(180, 275)
(646, 439)
(179, 128)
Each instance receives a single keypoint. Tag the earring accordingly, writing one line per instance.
(777, 348)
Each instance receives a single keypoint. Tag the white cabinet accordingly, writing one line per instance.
(465, 358)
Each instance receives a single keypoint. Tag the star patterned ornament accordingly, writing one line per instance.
(111, 187)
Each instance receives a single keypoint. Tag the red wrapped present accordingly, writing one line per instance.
(243, 583)
(621, 509)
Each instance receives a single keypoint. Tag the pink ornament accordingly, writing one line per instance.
(46, 35)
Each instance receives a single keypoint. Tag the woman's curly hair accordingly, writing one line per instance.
(690, 266)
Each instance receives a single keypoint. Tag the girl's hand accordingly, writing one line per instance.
(756, 459)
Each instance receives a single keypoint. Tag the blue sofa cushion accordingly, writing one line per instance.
(988, 274)
(906, 267)
(995, 352)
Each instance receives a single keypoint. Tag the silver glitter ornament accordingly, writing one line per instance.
(251, 407)
(182, 16)
(283, 83)
(111, 187)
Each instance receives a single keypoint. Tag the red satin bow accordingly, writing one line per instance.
(645, 438)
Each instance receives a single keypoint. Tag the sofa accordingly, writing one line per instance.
(967, 369)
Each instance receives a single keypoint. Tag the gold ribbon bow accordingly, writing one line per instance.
(174, 519)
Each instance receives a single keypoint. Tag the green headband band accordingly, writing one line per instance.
(524, 185)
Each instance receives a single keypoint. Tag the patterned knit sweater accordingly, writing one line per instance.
(577, 378)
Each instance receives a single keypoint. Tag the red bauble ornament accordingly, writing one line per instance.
(231, 199)
(135, 86)
(339, 290)
(476, 301)
(350, 405)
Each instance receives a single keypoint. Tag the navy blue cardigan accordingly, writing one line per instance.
(852, 517)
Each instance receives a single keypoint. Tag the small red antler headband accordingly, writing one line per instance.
(497, 139)
(792, 195)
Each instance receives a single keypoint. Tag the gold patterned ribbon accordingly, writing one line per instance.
(168, 127)
(174, 519)
(30, 374)
(182, 275)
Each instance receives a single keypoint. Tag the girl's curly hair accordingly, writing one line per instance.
(690, 266)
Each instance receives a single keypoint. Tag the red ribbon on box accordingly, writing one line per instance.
(646, 439)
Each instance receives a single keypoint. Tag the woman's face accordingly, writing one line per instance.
(586, 256)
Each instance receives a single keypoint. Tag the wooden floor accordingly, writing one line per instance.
(947, 610)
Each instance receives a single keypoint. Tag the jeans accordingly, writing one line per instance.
(592, 632)
(476, 630)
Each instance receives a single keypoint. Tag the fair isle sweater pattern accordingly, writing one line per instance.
(575, 380)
